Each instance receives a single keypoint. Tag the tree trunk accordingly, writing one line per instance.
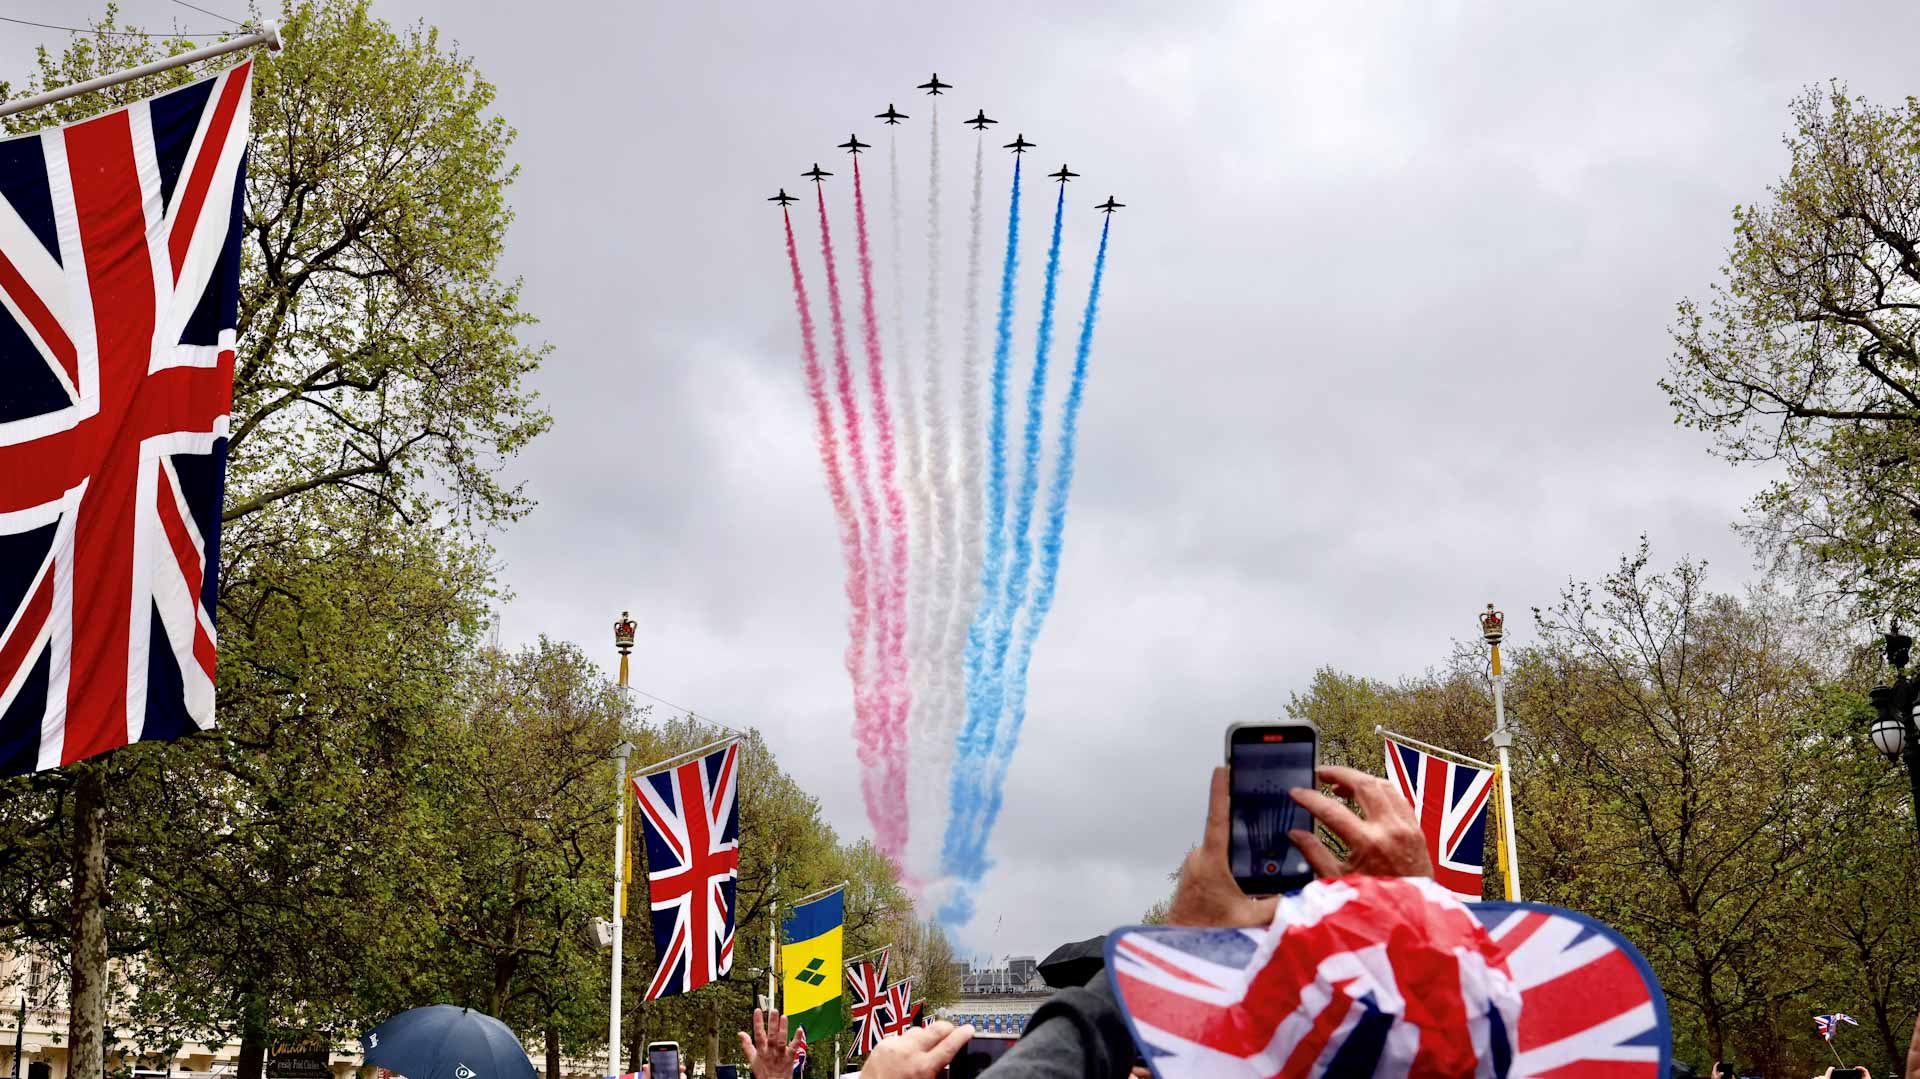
(553, 1052)
(636, 1044)
(87, 961)
(713, 1037)
(253, 1038)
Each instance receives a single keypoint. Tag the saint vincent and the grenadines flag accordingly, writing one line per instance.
(810, 953)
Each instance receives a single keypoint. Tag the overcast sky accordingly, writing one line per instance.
(1382, 326)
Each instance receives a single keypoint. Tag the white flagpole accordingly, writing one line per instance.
(619, 896)
(267, 34)
(773, 923)
(1493, 630)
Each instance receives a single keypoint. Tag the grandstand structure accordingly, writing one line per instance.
(999, 999)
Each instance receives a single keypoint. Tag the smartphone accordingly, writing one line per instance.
(980, 1053)
(1266, 761)
(663, 1060)
(1848, 1073)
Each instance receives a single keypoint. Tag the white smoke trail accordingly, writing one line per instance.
(914, 477)
(969, 540)
(941, 681)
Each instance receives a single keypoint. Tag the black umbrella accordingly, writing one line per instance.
(441, 1041)
(1074, 964)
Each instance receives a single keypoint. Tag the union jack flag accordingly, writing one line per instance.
(1827, 1024)
(868, 1011)
(119, 292)
(1451, 800)
(1393, 976)
(901, 1011)
(692, 819)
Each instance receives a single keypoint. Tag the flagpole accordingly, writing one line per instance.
(266, 33)
(623, 632)
(619, 898)
(773, 926)
(1493, 630)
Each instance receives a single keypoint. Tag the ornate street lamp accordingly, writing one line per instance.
(1893, 730)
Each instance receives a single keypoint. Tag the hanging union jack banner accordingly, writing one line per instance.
(119, 292)
(692, 817)
(1451, 800)
(867, 1008)
(901, 1010)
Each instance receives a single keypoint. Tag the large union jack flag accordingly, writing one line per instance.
(1368, 976)
(692, 817)
(867, 1010)
(1451, 800)
(119, 292)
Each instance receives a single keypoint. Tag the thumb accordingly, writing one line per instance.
(746, 1046)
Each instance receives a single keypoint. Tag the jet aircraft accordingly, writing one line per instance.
(1019, 144)
(934, 85)
(783, 198)
(892, 115)
(853, 145)
(816, 173)
(1108, 206)
(980, 121)
(1063, 175)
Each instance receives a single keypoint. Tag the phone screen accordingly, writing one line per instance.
(975, 1057)
(663, 1063)
(1265, 763)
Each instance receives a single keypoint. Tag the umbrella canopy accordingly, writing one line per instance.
(1074, 964)
(441, 1041)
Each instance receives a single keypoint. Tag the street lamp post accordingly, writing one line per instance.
(1893, 731)
(1493, 630)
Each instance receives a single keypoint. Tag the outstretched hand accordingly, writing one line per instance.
(769, 1054)
(1387, 842)
(1208, 896)
(920, 1053)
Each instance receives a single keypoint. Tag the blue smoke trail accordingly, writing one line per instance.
(1050, 545)
(968, 745)
(972, 854)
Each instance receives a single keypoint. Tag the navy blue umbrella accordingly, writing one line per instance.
(441, 1041)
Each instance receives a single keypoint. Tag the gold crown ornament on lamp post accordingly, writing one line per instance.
(623, 640)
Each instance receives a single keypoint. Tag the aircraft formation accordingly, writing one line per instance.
(978, 122)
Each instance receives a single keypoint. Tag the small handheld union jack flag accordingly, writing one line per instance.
(1827, 1024)
(1379, 976)
(693, 863)
(1451, 800)
(119, 291)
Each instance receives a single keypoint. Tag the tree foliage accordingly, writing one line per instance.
(1806, 355)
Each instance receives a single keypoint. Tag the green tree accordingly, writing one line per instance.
(311, 828)
(1671, 788)
(530, 829)
(379, 364)
(1805, 355)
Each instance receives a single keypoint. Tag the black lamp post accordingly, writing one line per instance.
(1894, 733)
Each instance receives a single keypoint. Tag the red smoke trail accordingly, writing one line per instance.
(869, 709)
(857, 577)
(893, 622)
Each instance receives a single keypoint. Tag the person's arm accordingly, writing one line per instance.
(1913, 1053)
(1077, 1034)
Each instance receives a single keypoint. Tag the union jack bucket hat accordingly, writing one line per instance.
(1393, 976)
